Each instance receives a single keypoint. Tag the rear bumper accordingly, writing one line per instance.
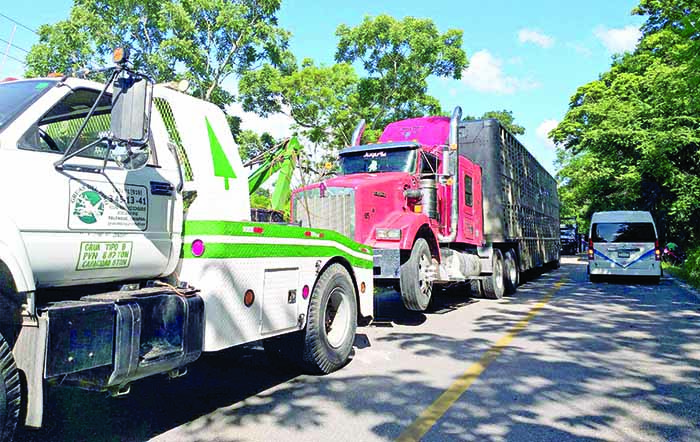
(605, 268)
(387, 263)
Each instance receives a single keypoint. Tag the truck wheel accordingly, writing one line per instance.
(10, 392)
(512, 273)
(494, 286)
(416, 288)
(330, 329)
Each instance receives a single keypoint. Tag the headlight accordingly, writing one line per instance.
(389, 234)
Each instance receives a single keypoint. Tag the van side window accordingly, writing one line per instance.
(468, 192)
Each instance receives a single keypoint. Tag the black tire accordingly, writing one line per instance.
(327, 344)
(494, 286)
(416, 289)
(475, 288)
(512, 273)
(10, 392)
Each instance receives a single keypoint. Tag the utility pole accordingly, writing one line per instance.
(7, 49)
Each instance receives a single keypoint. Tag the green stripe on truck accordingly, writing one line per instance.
(235, 228)
(214, 250)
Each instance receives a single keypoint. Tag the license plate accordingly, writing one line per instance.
(623, 254)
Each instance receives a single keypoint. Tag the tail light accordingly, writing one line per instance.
(657, 251)
(591, 253)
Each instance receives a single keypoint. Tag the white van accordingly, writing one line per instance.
(623, 243)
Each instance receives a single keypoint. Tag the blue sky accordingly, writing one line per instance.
(525, 56)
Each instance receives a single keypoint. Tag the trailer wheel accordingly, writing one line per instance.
(10, 392)
(512, 274)
(494, 286)
(416, 287)
(330, 330)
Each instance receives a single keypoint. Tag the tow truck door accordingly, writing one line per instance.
(81, 227)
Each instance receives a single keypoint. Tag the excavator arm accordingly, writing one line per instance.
(282, 160)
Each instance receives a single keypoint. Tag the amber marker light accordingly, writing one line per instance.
(120, 55)
(363, 287)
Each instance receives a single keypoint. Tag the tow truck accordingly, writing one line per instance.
(127, 250)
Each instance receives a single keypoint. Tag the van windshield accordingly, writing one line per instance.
(623, 232)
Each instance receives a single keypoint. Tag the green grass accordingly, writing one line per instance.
(689, 271)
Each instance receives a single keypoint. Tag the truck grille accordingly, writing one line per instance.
(334, 211)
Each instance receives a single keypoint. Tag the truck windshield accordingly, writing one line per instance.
(16, 96)
(379, 161)
(623, 232)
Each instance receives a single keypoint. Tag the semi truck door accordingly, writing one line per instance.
(469, 202)
(84, 227)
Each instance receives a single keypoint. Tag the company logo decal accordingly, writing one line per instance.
(88, 206)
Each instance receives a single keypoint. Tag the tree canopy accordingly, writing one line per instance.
(211, 39)
(398, 56)
(631, 139)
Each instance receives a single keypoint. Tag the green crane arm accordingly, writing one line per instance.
(283, 160)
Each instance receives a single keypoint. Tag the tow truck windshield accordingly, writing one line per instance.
(16, 96)
(376, 161)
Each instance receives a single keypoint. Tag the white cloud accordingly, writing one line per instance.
(485, 74)
(580, 49)
(531, 36)
(543, 130)
(618, 40)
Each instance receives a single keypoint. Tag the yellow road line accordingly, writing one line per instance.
(437, 409)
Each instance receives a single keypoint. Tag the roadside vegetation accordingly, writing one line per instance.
(689, 271)
(630, 140)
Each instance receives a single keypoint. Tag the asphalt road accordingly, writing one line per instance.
(563, 360)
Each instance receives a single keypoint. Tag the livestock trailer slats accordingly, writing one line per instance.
(520, 197)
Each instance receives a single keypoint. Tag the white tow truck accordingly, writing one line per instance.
(127, 250)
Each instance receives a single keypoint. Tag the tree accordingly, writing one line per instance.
(398, 57)
(505, 117)
(252, 145)
(320, 99)
(204, 41)
(631, 139)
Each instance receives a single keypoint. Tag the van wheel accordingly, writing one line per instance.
(512, 273)
(416, 286)
(330, 329)
(10, 392)
(494, 286)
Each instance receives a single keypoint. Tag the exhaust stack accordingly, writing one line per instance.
(450, 169)
(357, 133)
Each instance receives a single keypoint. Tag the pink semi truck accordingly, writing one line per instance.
(441, 201)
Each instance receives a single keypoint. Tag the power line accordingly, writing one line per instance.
(24, 63)
(18, 23)
(14, 45)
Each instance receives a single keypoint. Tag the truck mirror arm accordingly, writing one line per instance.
(60, 164)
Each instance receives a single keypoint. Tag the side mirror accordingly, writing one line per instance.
(131, 108)
(131, 115)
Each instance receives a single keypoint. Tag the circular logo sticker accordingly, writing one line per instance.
(89, 206)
